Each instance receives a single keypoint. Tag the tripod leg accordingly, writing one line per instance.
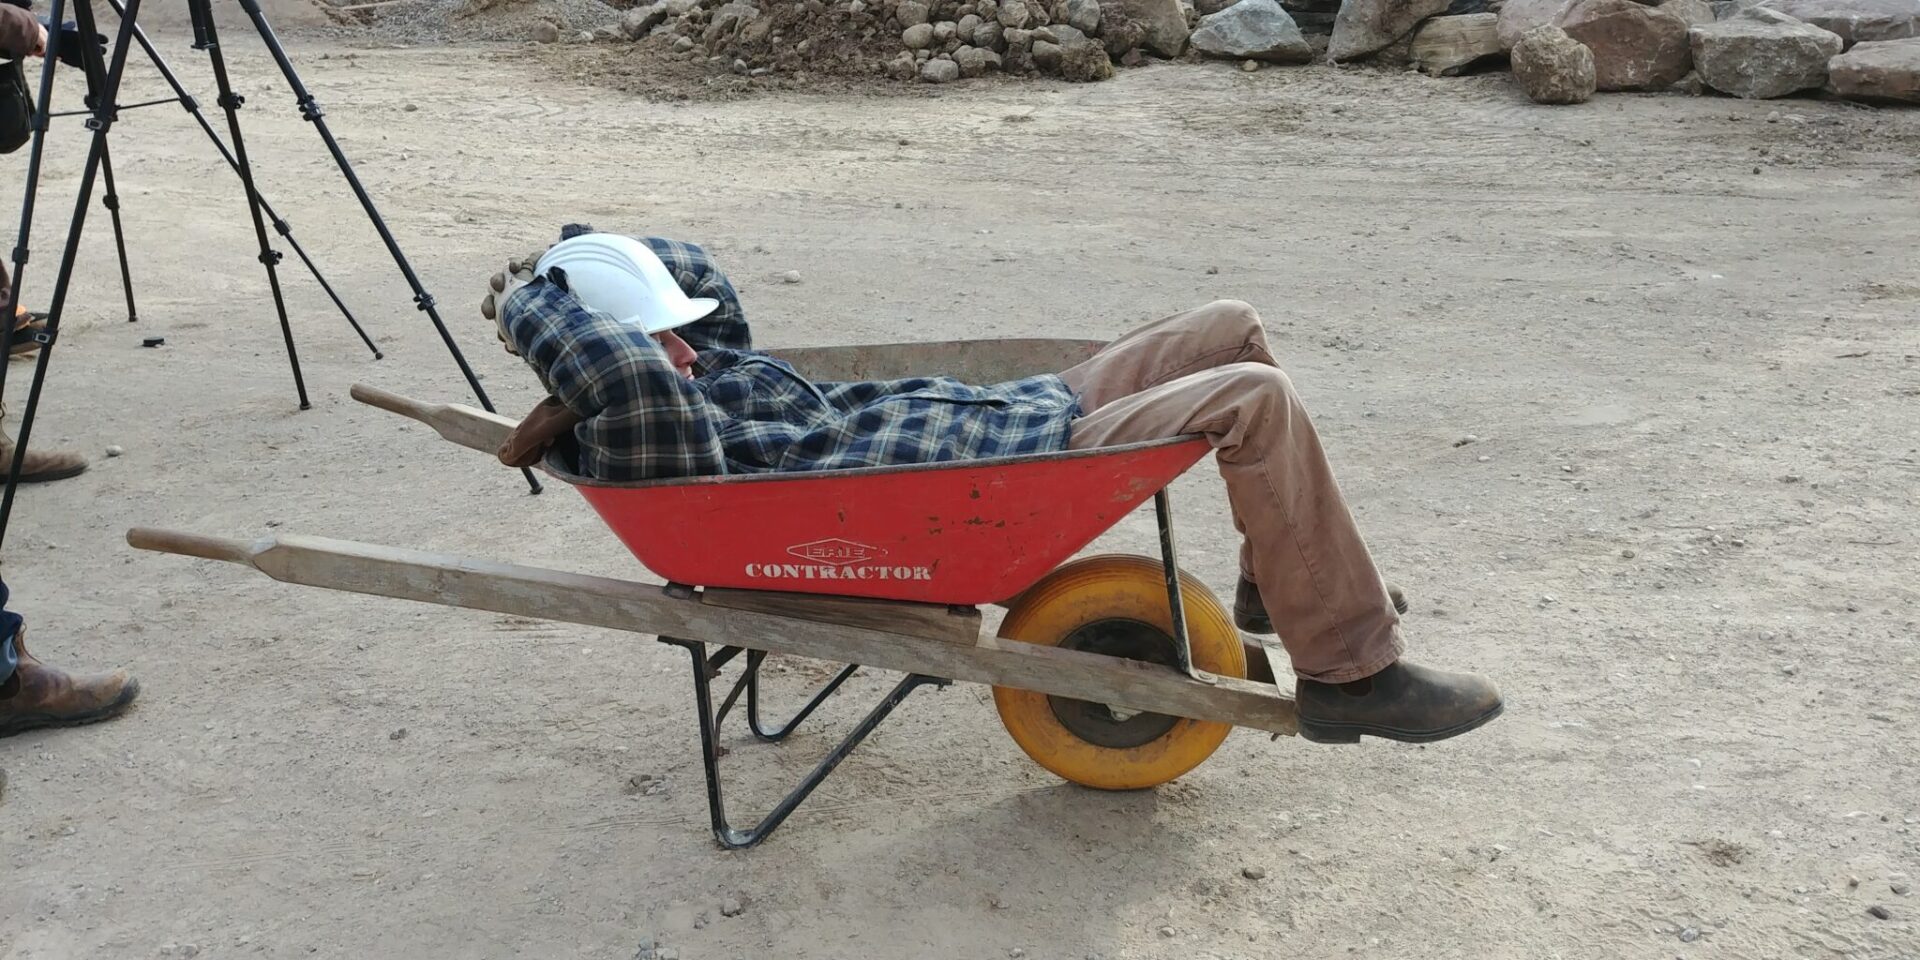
(311, 111)
(111, 200)
(269, 257)
(280, 226)
(101, 122)
(11, 295)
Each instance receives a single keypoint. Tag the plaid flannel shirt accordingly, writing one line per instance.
(746, 412)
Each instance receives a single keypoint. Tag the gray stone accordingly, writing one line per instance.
(1877, 70)
(910, 13)
(1207, 8)
(1551, 67)
(1014, 14)
(1251, 873)
(1447, 46)
(945, 31)
(1694, 12)
(1061, 34)
(731, 907)
(1084, 16)
(1163, 24)
(966, 26)
(1760, 61)
(1877, 912)
(989, 35)
(903, 67)
(1856, 21)
(1121, 36)
(919, 37)
(1017, 39)
(940, 71)
(727, 21)
(1085, 63)
(1366, 26)
(640, 21)
(1046, 57)
(544, 32)
(1634, 47)
(1519, 16)
(975, 61)
(1252, 30)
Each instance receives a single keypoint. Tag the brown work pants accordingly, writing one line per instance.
(1209, 372)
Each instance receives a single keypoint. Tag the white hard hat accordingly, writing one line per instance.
(622, 276)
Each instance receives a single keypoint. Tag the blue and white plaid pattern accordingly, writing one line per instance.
(747, 412)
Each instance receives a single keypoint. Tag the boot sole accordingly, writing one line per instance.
(48, 476)
(43, 721)
(1316, 731)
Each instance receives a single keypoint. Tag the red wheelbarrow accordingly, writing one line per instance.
(1109, 671)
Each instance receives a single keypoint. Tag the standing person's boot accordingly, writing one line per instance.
(41, 465)
(41, 696)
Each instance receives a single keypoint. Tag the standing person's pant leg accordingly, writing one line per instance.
(1302, 546)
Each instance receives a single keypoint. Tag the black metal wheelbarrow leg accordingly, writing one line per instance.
(706, 668)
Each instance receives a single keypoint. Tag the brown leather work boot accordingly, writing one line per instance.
(41, 465)
(1404, 702)
(1250, 613)
(40, 696)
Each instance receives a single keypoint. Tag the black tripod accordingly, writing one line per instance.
(103, 80)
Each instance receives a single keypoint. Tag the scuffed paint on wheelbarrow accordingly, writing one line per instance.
(971, 532)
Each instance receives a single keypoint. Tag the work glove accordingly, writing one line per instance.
(529, 442)
(70, 50)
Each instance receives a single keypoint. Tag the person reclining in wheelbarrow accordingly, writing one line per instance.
(645, 353)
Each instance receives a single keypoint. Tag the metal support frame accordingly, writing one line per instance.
(207, 37)
(1176, 605)
(706, 667)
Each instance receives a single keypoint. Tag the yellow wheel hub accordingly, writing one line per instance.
(1116, 605)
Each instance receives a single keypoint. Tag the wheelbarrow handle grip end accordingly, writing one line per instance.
(190, 545)
(390, 402)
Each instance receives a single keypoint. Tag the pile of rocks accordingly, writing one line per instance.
(1865, 49)
(933, 40)
(1561, 51)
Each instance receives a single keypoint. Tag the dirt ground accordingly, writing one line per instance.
(1683, 331)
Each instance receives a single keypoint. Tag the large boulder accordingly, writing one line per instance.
(1878, 70)
(1694, 12)
(1856, 21)
(1552, 67)
(1366, 26)
(1163, 24)
(1634, 47)
(1446, 46)
(1519, 16)
(1760, 61)
(1252, 30)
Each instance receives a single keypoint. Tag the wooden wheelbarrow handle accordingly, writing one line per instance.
(469, 427)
